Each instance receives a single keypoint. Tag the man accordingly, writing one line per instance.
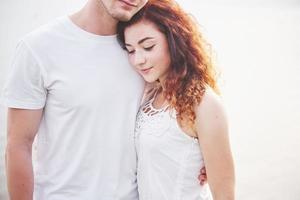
(72, 89)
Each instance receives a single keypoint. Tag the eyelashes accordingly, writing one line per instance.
(149, 48)
(130, 52)
(145, 48)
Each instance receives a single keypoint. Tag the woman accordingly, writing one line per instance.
(181, 125)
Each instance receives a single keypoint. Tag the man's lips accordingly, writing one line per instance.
(128, 3)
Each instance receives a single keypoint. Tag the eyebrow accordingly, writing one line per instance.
(141, 41)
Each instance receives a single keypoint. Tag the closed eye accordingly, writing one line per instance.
(130, 51)
(149, 48)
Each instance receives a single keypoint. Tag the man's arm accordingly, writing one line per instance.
(22, 126)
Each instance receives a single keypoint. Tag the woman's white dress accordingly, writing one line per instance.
(169, 161)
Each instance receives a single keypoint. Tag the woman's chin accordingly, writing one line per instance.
(150, 79)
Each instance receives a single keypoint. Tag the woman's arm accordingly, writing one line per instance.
(212, 130)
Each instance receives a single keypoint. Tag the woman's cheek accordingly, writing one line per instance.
(131, 59)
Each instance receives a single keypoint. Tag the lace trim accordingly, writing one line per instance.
(150, 110)
(147, 123)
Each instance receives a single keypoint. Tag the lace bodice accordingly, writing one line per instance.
(169, 161)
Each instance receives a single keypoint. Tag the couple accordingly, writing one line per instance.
(100, 132)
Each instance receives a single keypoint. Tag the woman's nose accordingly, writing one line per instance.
(139, 58)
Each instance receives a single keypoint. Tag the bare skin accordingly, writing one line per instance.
(23, 124)
(98, 17)
(22, 127)
(148, 53)
(91, 16)
(158, 103)
(212, 130)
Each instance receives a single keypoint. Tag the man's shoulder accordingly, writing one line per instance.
(45, 33)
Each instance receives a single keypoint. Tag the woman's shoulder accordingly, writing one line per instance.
(210, 100)
(210, 113)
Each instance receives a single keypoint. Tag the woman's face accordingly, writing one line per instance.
(148, 50)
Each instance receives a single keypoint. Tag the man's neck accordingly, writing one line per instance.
(94, 18)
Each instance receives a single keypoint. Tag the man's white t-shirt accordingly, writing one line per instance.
(84, 149)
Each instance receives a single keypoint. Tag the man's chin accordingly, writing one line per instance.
(124, 17)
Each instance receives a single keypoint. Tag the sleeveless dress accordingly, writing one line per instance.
(169, 160)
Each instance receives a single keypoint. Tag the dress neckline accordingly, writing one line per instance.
(164, 106)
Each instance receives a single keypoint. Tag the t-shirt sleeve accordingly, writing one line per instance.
(24, 87)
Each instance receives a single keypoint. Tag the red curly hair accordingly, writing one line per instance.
(191, 69)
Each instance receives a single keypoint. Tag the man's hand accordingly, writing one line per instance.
(202, 176)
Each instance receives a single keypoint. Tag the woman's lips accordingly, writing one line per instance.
(128, 3)
(146, 70)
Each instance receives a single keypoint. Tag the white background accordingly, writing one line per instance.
(257, 48)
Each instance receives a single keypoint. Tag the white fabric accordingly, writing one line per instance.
(169, 161)
(84, 149)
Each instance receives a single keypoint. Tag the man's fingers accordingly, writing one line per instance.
(202, 177)
(202, 182)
